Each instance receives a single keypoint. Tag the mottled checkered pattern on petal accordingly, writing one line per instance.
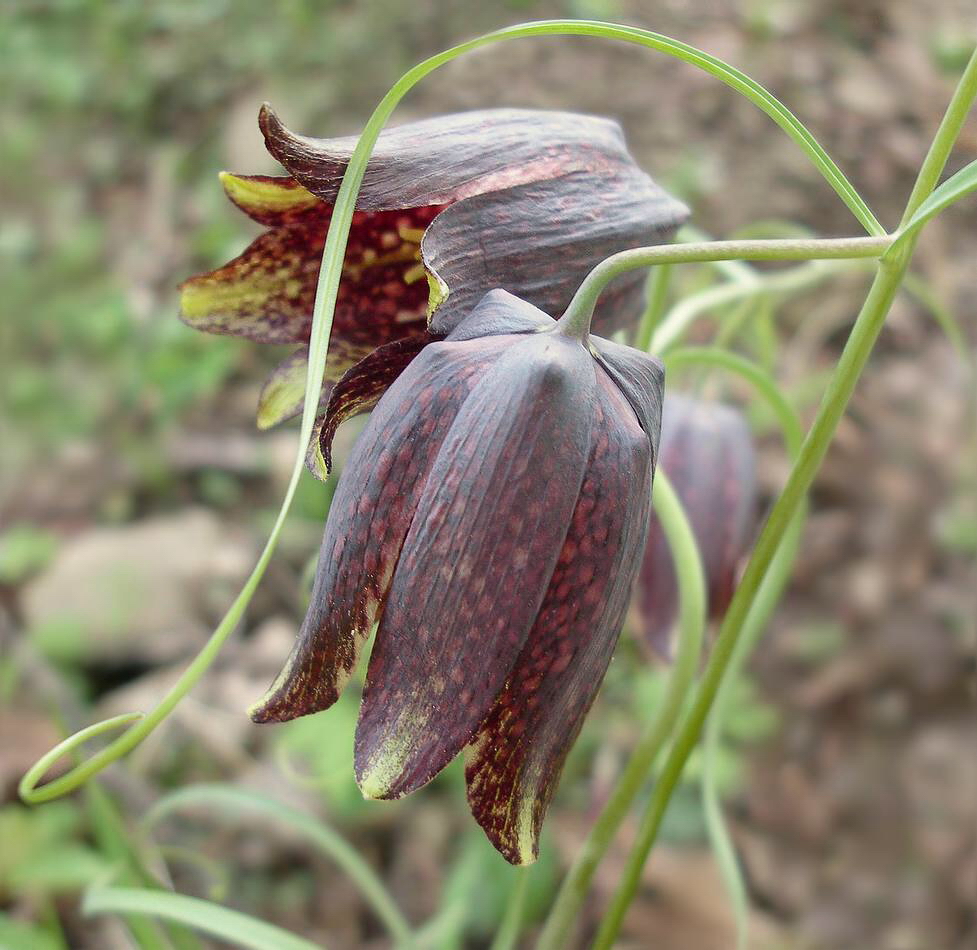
(640, 377)
(371, 512)
(540, 240)
(515, 762)
(450, 208)
(267, 293)
(477, 561)
(501, 312)
(447, 158)
(707, 451)
(364, 384)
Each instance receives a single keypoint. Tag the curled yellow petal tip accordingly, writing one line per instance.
(259, 193)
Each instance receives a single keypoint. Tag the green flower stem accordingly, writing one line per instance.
(508, 932)
(691, 625)
(767, 598)
(853, 359)
(944, 140)
(222, 922)
(779, 284)
(577, 881)
(734, 270)
(858, 348)
(581, 310)
(322, 315)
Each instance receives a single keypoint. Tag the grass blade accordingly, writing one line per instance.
(213, 919)
(229, 802)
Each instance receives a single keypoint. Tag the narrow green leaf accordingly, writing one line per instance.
(213, 919)
(114, 841)
(229, 802)
(951, 191)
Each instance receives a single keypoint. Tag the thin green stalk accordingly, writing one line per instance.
(655, 307)
(508, 932)
(322, 315)
(767, 598)
(852, 361)
(855, 355)
(581, 308)
(576, 883)
(691, 625)
(110, 832)
(733, 270)
(774, 583)
(780, 284)
(946, 136)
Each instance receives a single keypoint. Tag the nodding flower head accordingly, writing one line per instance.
(450, 208)
(707, 453)
(490, 519)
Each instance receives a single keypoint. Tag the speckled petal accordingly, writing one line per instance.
(540, 240)
(514, 764)
(272, 201)
(451, 157)
(370, 514)
(283, 393)
(267, 293)
(707, 452)
(640, 377)
(500, 312)
(364, 384)
(476, 563)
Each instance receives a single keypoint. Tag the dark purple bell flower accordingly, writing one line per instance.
(708, 454)
(491, 519)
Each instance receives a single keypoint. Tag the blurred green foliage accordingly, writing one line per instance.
(43, 852)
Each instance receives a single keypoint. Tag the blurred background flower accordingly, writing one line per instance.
(707, 452)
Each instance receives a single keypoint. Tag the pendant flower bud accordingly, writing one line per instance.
(490, 518)
(450, 208)
(708, 454)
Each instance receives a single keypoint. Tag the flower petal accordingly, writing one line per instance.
(476, 563)
(272, 201)
(283, 393)
(640, 377)
(707, 452)
(447, 158)
(514, 764)
(500, 312)
(540, 240)
(363, 384)
(368, 521)
(266, 294)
